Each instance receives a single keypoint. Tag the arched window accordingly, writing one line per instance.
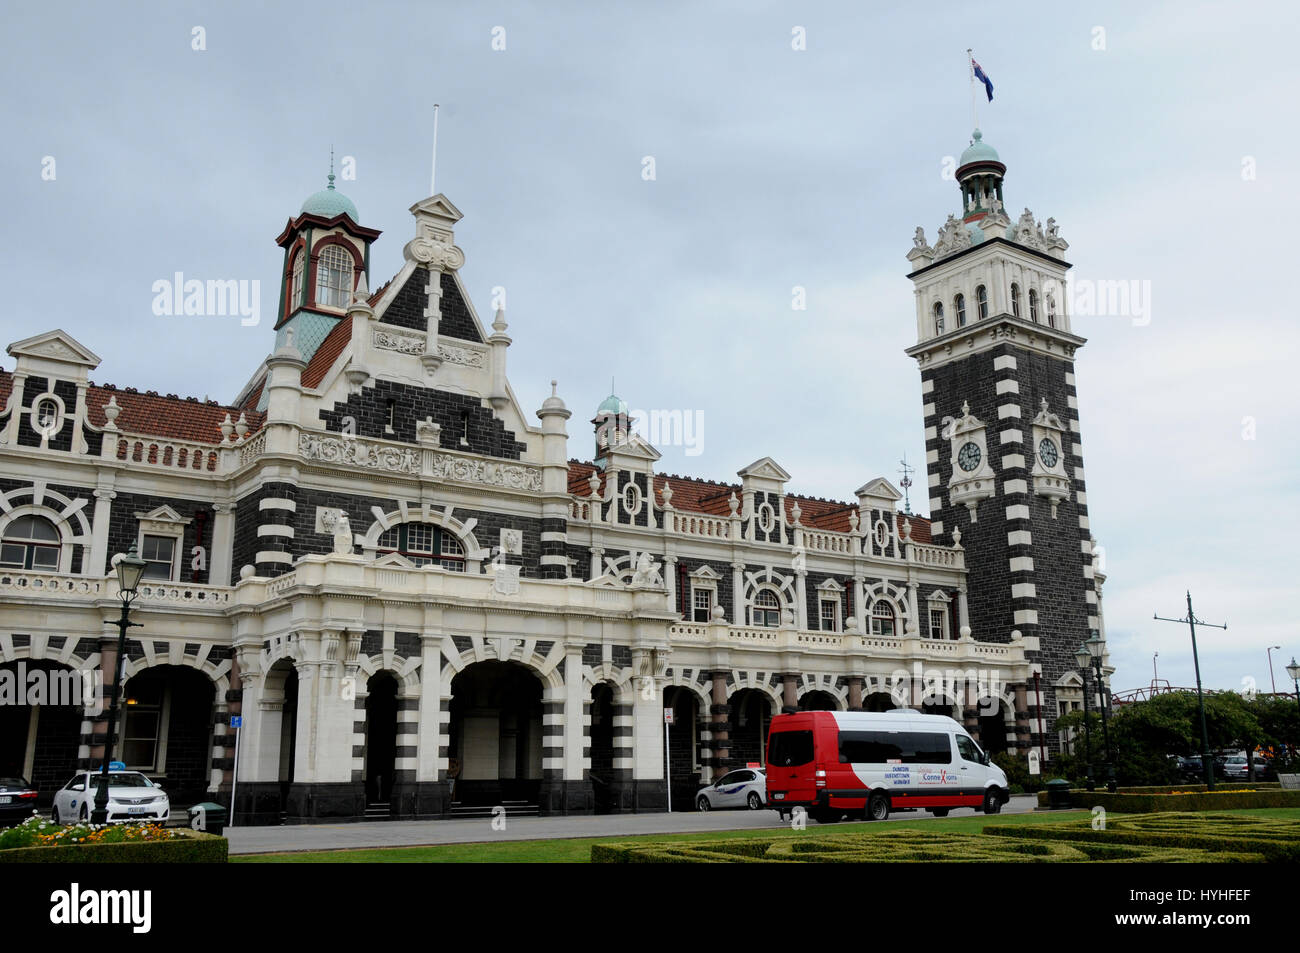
(938, 317)
(295, 284)
(334, 278)
(982, 301)
(882, 618)
(424, 544)
(30, 542)
(1033, 305)
(1051, 310)
(766, 610)
(1015, 299)
(959, 305)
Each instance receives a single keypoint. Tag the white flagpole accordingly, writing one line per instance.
(433, 174)
(970, 69)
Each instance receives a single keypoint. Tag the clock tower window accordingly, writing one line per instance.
(1033, 305)
(982, 301)
(959, 306)
(1015, 299)
(938, 318)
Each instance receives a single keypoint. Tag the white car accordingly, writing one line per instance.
(131, 797)
(746, 787)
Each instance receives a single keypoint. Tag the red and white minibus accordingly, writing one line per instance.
(837, 763)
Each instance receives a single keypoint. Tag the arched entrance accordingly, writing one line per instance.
(992, 725)
(496, 735)
(381, 742)
(940, 706)
(603, 784)
(288, 673)
(751, 713)
(818, 700)
(165, 730)
(879, 701)
(683, 750)
(39, 741)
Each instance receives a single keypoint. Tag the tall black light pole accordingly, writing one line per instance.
(1294, 671)
(1206, 761)
(130, 568)
(1096, 647)
(1082, 657)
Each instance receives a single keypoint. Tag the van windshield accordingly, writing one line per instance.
(789, 749)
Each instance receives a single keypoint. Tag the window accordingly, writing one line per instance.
(938, 624)
(938, 317)
(982, 301)
(47, 417)
(424, 544)
(334, 277)
(1051, 311)
(789, 749)
(830, 614)
(959, 306)
(1015, 299)
(295, 283)
(882, 618)
(159, 552)
(142, 725)
(31, 542)
(894, 747)
(766, 610)
(1033, 305)
(969, 750)
(701, 604)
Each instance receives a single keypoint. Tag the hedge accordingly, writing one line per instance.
(1078, 795)
(905, 845)
(1160, 803)
(1275, 839)
(191, 847)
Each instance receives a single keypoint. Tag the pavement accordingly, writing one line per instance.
(297, 837)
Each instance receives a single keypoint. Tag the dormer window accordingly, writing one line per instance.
(334, 278)
(295, 283)
(982, 301)
(959, 306)
(1033, 305)
(1015, 299)
(938, 317)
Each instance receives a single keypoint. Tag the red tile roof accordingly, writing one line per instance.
(155, 415)
(328, 352)
(706, 496)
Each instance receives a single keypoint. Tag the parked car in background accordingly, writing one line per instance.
(17, 801)
(746, 787)
(131, 797)
(1236, 768)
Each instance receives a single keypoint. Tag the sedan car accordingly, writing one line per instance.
(17, 800)
(1235, 768)
(131, 797)
(746, 787)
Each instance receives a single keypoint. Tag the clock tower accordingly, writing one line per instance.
(1004, 456)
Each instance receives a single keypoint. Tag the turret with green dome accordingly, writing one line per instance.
(979, 175)
(328, 203)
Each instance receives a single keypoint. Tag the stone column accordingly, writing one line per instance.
(720, 720)
(855, 693)
(95, 563)
(650, 787)
(576, 733)
(432, 738)
(222, 553)
(1022, 719)
(790, 689)
(737, 593)
(970, 710)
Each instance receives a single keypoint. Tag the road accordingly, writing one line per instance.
(259, 840)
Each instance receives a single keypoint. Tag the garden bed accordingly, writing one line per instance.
(39, 841)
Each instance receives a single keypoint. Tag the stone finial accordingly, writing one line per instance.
(1017, 635)
(247, 571)
(361, 294)
(733, 504)
(667, 493)
(227, 428)
(854, 521)
(111, 410)
(965, 408)
(718, 614)
(593, 482)
(956, 537)
(241, 426)
(907, 531)
(796, 512)
(499, 322)
(964, 632)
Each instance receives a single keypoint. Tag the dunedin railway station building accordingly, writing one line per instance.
(414, 602)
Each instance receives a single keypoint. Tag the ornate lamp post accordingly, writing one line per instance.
(130, 569)
(1096, 647)
(1083, 657)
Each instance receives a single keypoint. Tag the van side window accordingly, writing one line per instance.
(789, 749)
(884, 747)
(968, 749)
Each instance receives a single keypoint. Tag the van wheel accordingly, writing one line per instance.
(992, 801)
(939, 811)
(702, 804)
(878, 807)
(754, 801)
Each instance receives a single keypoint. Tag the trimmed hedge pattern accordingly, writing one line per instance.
(191, 848)
(1275, 839)
(903, 845)
(1223, 787)
(1198, 801)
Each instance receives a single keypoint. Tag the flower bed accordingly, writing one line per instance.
(39, 841)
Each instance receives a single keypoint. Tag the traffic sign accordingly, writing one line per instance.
(668, 716)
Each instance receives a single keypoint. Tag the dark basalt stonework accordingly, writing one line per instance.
(407, 309)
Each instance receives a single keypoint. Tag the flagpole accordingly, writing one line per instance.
(433, 173)
(974, 107)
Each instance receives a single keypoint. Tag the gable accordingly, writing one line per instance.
(406, 308)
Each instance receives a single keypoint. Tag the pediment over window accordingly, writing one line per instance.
(162, 519)
(57, 347)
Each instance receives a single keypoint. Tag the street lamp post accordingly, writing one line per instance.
(130, 569)
(1207, 763)
(1272, 680)
(1082, 657)
(1096, 647)
(1294, 671)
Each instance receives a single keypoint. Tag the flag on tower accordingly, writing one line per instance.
(979, 75)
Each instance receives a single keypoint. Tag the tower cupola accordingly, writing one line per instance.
(979, 175)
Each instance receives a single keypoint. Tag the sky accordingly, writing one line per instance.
(143, 140)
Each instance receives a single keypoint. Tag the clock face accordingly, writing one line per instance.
(1047, 452)
(968, 457)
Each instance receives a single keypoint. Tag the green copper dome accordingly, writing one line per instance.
(612, 405)
(978, 151)
(327, 203)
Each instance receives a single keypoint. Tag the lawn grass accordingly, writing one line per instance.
(577, 850)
